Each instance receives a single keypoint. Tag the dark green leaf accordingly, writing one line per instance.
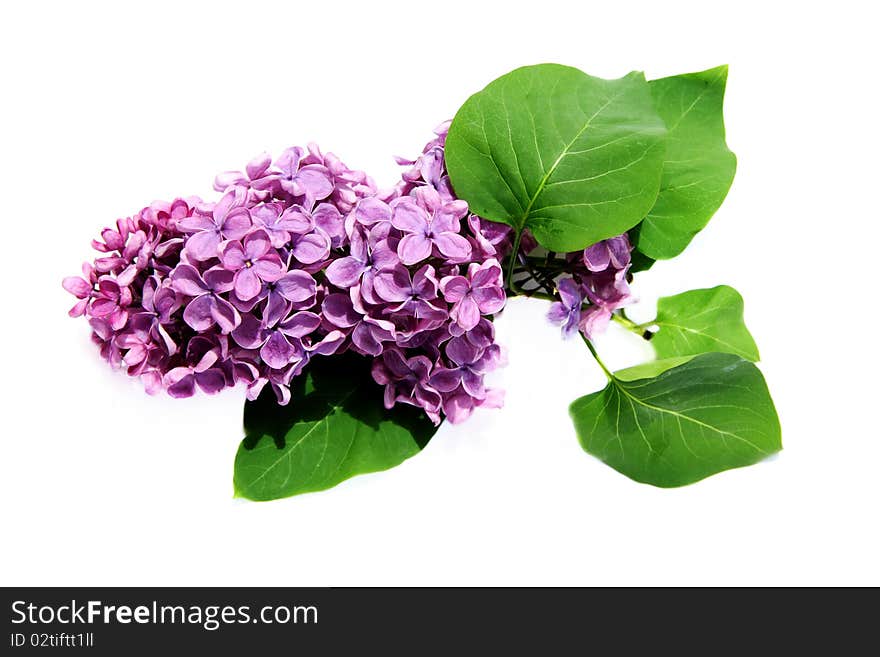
(576, 159)
(710, 414)
(335, 427)
(699, 167)
(700, 321)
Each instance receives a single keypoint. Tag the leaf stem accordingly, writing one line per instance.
(596, 356)
(512, 264)
(639, 329)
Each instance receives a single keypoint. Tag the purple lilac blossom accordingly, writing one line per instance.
(300, 258)
(597, 286)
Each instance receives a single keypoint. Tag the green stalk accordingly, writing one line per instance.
(596, 356)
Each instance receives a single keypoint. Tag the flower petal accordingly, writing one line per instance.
(339, 311)
(371, 211)
(345, 272)
(198, 314)
(277, 352)
(393, 284)
(414, 248)
(406, 215)
(452, 245)
(311, 248)
(300, 324)
(298, 285)
(203, 246)
(466, 313)
(77, 287)
(225, 314)
(454, 288)
(247, 284)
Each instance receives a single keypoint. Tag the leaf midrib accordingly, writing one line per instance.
(737, 350)
(285, 453)
(525, 215)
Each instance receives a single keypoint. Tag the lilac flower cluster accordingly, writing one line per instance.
(298, 258)
(597, 287)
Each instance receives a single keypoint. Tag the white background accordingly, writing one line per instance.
(105, 108)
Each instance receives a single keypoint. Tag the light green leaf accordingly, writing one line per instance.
(335, 427)
(576, 159)
(710, 414)
(700, 321)
(650, 369)
(699, 167)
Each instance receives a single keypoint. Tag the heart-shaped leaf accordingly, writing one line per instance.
(710, 414)
(576, 159)
(698, 169)
(700, 321)
(335, 427)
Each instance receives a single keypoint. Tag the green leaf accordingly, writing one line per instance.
(700, 321)
(699, 167)
(651, 368)
(576, 159)
(335, 427)
(710, 414)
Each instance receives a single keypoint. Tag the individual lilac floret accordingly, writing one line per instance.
(228, 219)
(567, 311)
(469, 364)
(410, 294)
(406, 381)
(428, 223)
(478, 293)
(182, 381)
(253, 261)
(206, 305)
(310, 181)
(599, 280)
(613, 252)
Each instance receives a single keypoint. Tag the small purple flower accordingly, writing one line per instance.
(312, 181)
(228, 219)
(110, 302)
(594, 320)
(459, 406)
(279, 223)
(158, 304)
(255, 171)
(482, 335)
(253, 262)
(612, 252)
(207, 307)
(470, 364)
(367, 333)
(82, 288)
(406, 381)
(279, 344)
(366, 259)
(428, 222)
(478, 293)
(567, 311)
(182, 381)
(607, 291)
(413, 296)
(331, 223)
(490, 238)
